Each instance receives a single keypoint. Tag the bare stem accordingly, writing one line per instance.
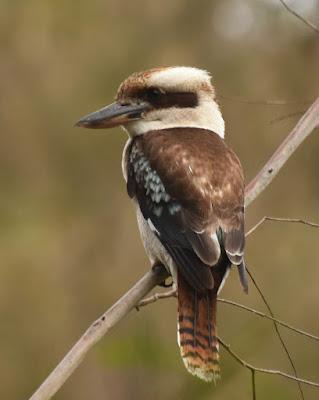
(253, 384)
(157, 296)
(264, 102)
(286, 116)
(308, 122)
(172, 293)
(264, 370)
(263, 315)
(276, 219)
(284, 346)
(303, 19)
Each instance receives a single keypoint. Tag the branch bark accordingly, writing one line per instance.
(288, 220)
(264, 370)
(152, 278)
(263, 315)
(303, 19)
(308, 122)
(172, 293)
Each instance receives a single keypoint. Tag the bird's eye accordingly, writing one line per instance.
(153, 93)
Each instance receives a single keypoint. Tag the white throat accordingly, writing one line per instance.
(206, 115)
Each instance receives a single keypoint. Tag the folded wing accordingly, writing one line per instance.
(190, 189)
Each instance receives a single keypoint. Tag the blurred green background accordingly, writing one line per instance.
(69, 243)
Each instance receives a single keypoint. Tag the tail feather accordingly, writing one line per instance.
(197, 335)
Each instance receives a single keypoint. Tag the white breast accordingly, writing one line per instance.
(153, 247)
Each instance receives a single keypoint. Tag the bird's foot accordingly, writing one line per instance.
(167, 282)
(243, 276)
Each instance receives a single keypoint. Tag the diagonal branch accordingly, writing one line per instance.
(303, 19)
(308, 122)
(275, 321)
(157, 296)
(264, 370)
(286, 116)
(264, 102)
(172, 293)
(125, 304)
(263, 315)
(276, 219)
(277, 331)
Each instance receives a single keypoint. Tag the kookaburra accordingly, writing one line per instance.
(188, 189)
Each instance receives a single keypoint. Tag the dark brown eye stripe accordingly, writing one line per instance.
(160, 99)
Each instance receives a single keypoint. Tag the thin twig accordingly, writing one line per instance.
(123, 306)
(263, 315)
(290, 220)
(264, 102)
(263, 297)
(172, 293)
(286, 116)
(277, 331)
(308, 122)
(253, 383)
(303, 19)
(157, 296)
(264, 370)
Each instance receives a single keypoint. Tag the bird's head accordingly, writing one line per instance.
(161, 98)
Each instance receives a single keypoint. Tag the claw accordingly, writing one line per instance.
(243, 276)
(166, 285)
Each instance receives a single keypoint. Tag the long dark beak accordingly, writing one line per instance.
(113, 115)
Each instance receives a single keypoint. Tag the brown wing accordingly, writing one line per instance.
(199, 170)
(190, 185)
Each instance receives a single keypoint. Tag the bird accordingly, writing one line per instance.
(187, 185)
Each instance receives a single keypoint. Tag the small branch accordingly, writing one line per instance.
(303, 19)
(275, 219)
(308, 122)
(172, 293)
(265, 102)
(277, 331)
(290, 220)
(253, 384)
(155, 297)
(263, 315)
(264, 370)
(125, 304)
(287, 116)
